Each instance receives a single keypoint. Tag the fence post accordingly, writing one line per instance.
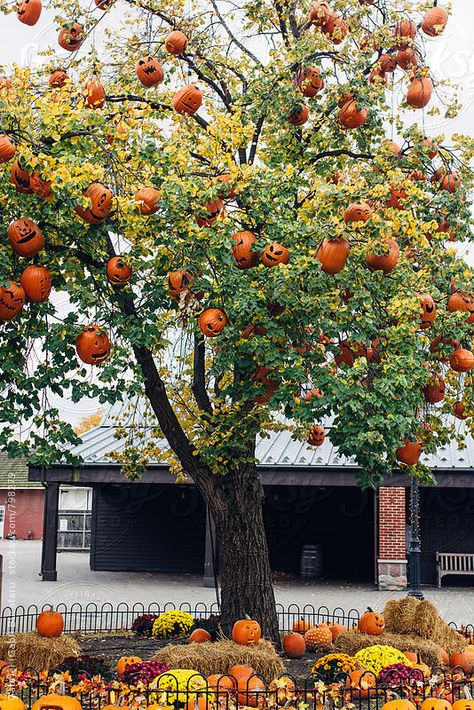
(1, 581)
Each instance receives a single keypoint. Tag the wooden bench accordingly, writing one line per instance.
(454, 563)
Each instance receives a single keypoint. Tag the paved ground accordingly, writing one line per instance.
(77, 583)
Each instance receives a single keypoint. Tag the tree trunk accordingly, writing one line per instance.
(244, 567)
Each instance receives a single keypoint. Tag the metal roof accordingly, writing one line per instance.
(279, 449)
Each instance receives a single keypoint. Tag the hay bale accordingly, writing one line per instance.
(353, 641)
(208, 658)
(399, 615)
(35, 651)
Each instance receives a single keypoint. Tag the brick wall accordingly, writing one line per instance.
(392, 539)
(23, 512)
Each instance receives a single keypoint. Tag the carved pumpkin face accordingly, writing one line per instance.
(461, 360)
(58, 78)
(274, 254)
(12, 300)
(299, 115)
(211, 213)
(149, 71)
(125, 661)
(450, 182)
(372, 623)
(104, 4)
(25, 237)
(462, 301)
(405, 31)
(246, 632)
(358, 212)
(7, 149)
(316, 435)
(36, 282)
(71, 37)
(148, 199)
(100, 198)
(187, 100)
(351, 116)
(176, 42)
(40, 187)
(226, 192)
(428, 310)
(212, 321)
(309, 81)
(20, 178)
(118, 271)
(178, 282)
(435, 389)
(29, 11)
(242, 251)
(93, 345)
(94, 95)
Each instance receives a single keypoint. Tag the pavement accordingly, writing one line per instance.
(77, 583)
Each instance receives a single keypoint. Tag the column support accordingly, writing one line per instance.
(50, 533)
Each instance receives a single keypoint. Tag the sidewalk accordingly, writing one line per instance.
(76, 583)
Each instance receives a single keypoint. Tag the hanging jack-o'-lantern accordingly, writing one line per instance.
(262, 376)
(176, 42)
(428, 310)
(319, 15)
(212, 322)
(93, 345)
(148, 199)
(316, 435)
(420, 92)
(410, 452)
(187, 100)
(20, 178)
(94, 95)
(309, 81)
(242, 250)
(405, 32)
(213, 211)
(25, 237)
(431, 147)
(58, 79)
(450, 182)
(100, 198)
(40, 187)
(462, 301)
(336, 28)
(179, 282)
(12, 300)
(275, 254)
(434, 21)
(387, 63)
(435, 389)
(36, 282)
(461, 360)
(332, 254)
(71, 37)
(29, 11)
(384, 262)
(459, 410)
(226, 191)
(299, 115)
(118, 271)
(407, 59)
(357, 212)
(7, 149)
(351, 115)
(104, 4)
(397, 197)
(149, 71)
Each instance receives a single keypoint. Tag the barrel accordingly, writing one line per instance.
(311, 561)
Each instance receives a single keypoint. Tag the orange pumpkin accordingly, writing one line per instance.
(351, 116)
(11, 702)
(118, 271)
(226, 191)
(187, 100)
(298, 115)
(29, 11)
(222, 685)
(320, 13)
(58, 78)
(462, 360)
(337, 630)
(40, 187)
(7, 149)
(434, 391)
(420, 92)
(212, 322)
(242, 250)
(363, 682)
(372, 623)
(196, 703)
(20, 178)
(407, 59)
(275, 254)
(397, 197)
(318, 638)
(434, 21)
(125, 661)
(212, 212)
(463, 659)
(179, 282)
(450, 182)
(250, 691)
(94, 95)
(100, 198)
(26, 238)
(148, 199)
(357, 212)
(336, 28)
(246, 632)
(149, 71)
(239, 671)
(462, 301)
(410, 452)
(93, 346)
(387, 63)
(435, 704)
(332, 254)
(431, 147)
(50, 623)
(56, 702)
(412, 657)
(423, 668)
(384, 262)
(301, 625)
(428, 310)
(36, 283)
(405, 32)
(176, 42)
(316, 435)
(463, 704)
(294, 645)
(199, 636)
(458, 410)
(71, 37)
(309, 81)
(399, 705)
(12, 300)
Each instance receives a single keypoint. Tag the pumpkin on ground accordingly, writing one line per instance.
(246, 632)
(199, 636)
(301, 625)
(363, 682)
(125, 661)
(318, 638)
(372, 623)
(463, 659)
(294, 645)
(11, 702)
(56, 701)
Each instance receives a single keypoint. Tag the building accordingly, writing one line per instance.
(311, 498)
(21, 501)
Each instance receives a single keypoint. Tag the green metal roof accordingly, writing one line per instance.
(14, 473)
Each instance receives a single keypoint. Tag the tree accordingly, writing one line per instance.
(321, 242)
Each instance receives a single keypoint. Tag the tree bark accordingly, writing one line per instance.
(244, 567)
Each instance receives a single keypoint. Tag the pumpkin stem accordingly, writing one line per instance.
(369, 610)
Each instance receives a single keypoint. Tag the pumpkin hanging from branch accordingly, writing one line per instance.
(118, 271)
(211, 213)
(299, 115)
(20, 178)
(420, 92)
(461, 360)
(29, 11)
(309, 81)
(58, 79)
(148, 199)
(71, 37)
(100, 198)
(7, 149)
(212, 322)
(357, 212)
(384, 262)
(12, 300)
(36, 282)
(26, 238)
(428, 310)
(462, 301)
(351, 115)
(242, 250)
(176, 42)
(94, 95)
(275, 254)
(179, 282)
(93, 345)
(434, 22)
(316, 435)
(187, 100)
(332, 254)
(450, 182)
(149, 71)
(435, 389)
(405, 32)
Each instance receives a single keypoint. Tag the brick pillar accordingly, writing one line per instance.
(392, 563)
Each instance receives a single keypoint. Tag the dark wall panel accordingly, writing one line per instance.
(155, 528)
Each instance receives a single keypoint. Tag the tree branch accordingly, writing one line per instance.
(340, 151)
(234, 39)
(255, 137)
(199, 380)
